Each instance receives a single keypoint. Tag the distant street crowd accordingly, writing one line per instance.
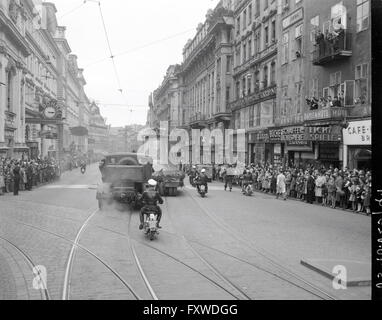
(330, 187)
(23, 175)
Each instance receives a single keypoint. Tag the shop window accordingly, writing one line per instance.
(361, 83)
(363, 7)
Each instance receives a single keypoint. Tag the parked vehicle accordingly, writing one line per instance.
(124, 176)
(169, 179)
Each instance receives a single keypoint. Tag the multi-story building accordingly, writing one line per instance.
(207, 73)
(98, 131)
(14, 49)
(167, 98)
(44, 110)
(255, 67)
(331, 58)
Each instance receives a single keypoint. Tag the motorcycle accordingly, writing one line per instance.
(150, 226)
(248, 190)
(202, 190)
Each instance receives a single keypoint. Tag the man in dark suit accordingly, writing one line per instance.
(16, 179)
(310, 188)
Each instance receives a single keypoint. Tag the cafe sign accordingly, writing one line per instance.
(358, 133)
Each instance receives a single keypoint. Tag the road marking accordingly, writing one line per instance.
(70, 186)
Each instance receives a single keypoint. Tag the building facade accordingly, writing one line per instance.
(98, 132)
(14, 49)
(44, 110)
(296, 75)
(334, 70)
(255, 76)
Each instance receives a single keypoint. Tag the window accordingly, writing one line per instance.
(361, 83)
(285, 48)
(257, 43)
(251, 116)
(335, 84)
(249, 84)
(243, 83)
(266, 36)
(273, 30)
(257, 82)
(362, 15)
(244, 19)
(9, 90)
(228, 94)
(265, 77)
(238, 95)
(314, 28)
(229, 64)
(314, 88)
(244, 53)
(249, 48)
(249, 14)
(238, 25)
(273, 73)
(298, 92)
(298, 41)
(325, 92)
(257, 8)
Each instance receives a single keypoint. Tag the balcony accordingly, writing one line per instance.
(329, 113)
(333, 47)
(198, 121)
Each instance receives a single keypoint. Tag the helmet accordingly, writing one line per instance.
(203, 171)
(152, 183)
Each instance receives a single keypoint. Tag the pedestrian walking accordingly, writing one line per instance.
(281, 185)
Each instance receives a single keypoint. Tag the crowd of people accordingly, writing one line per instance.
(330, 187)
(23, 175)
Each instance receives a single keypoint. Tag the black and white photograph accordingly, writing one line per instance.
(190, 151)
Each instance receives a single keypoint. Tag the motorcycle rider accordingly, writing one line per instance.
(247, 180)
(150, 199)
(202, 180)
(193, 174)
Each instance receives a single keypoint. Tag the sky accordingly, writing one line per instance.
(145, 38)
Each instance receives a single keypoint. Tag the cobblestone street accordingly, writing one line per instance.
(226, 246)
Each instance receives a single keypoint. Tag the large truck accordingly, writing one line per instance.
(124, 176)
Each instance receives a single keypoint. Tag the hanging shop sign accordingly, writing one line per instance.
(358, 133)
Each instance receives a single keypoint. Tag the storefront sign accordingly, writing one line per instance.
(287, 134)
(358, 133)
(301, 136)
(323, 133)
(293, 18)
(259, 136)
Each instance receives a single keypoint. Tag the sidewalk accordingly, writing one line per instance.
(295, 199)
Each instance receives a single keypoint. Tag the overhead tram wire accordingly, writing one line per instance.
(141, 47)
(109, 45)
